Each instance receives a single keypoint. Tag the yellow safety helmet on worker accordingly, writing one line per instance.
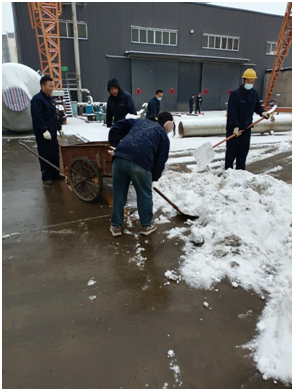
(249, 74)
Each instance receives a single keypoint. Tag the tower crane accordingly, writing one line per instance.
(283, 47)
(44, 17)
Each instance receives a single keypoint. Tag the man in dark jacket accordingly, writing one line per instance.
(119, 104)
(153, 107)
(141, 151)
(199, 101)
(243, 103)
(45, 126)
(191, 103)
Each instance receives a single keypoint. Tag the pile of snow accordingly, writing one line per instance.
(243, 234)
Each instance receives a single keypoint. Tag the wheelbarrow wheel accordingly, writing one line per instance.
(85, 179)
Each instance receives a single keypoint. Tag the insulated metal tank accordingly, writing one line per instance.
(19, 84)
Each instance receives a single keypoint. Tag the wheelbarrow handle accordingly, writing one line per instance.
(40, 157)
(166, 199)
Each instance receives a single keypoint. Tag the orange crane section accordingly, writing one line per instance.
(44, 18)
(283, 47)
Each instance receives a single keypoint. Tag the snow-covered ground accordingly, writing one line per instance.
(243, 232)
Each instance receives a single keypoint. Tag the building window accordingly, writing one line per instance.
(220, 42)
(154, 36)
(66, 30)
(271, 48)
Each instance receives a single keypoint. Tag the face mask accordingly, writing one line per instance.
(159, 99)
(248, 86)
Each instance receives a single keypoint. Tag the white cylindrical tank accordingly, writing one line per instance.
(19, 84)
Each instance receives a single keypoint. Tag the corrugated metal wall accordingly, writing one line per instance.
(189, 83)
(152, 75)
(218, 79)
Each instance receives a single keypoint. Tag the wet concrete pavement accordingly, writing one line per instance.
(54, 336)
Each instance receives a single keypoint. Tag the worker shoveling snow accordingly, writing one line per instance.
(205, 153)
(243, 234)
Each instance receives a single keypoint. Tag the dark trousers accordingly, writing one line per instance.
(237, 148)
(191, 109)
(123, 172)
(198, 108)
(49, 151)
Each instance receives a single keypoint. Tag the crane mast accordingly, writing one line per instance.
(283, 47)
(44, 17)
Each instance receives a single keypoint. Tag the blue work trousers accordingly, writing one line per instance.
(123, 172)
(49, 150)
(237, 148)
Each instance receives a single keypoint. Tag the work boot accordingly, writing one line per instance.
(59, 177)
(116, 231)
(47, 183)
(148, 229)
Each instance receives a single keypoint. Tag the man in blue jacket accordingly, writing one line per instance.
(191, 103)
(199, 101)
(119, 104)
(141, 151)
(45, 126)
(243, 103)
(153, 107)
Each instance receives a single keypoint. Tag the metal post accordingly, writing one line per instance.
(76, 50)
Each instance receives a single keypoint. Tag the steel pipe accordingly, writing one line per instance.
(212, 127)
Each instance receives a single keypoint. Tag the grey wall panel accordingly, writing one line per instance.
(120, 69)
(230, 79)
(152, 75)
(143, 77)
(67, 54)
(211, 80)
(189, 80)
(26, 40)
(166, 80)
(218, 79)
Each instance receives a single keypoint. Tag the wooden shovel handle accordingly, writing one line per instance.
(241, 131)
(166, 199)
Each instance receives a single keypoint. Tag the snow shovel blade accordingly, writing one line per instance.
(204, 155)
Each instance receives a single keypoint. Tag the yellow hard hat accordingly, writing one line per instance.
(249, 74)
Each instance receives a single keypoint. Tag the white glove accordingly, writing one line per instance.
(265, 114)
(236, 132)
(153, 184)
(47, 135)
(111, 152)
(61, 133)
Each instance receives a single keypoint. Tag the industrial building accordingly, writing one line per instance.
(9, 52)
(181, 48)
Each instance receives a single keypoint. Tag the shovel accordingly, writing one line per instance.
(40, 157)
(173, 205)
(205, 153)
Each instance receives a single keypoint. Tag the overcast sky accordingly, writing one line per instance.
(276, 8)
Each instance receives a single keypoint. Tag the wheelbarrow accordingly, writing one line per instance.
(85, 165)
